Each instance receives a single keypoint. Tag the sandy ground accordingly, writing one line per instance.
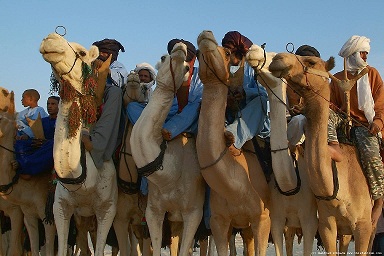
(298, 250)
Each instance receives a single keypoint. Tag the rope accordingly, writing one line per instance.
(156, 164)
(217, 160)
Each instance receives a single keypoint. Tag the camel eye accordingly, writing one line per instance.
(82, 53)
(162, 58)
(227, 52)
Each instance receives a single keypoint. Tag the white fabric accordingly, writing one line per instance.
(118, 73)
(148, 67)
(355, 44)
(354, 63)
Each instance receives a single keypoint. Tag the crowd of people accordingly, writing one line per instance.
(246, 113)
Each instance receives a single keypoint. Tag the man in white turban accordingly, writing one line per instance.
(147, 76)
(367, 113)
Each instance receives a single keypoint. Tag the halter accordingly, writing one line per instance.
(77, 55)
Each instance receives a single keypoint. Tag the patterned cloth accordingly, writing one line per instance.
(368, 147)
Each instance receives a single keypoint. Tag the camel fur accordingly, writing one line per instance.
(178, 188)
(346, 210)
(97, 194)
(30, 195)
(239, 191)
(298, 209)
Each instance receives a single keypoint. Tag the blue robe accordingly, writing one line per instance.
(32, 159)
(252, 119)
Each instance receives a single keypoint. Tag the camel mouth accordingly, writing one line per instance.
(206, 41)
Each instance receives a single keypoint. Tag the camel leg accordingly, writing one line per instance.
(203, 247)
(232, 246)
(155, 225)
(190, 225)
(361, 239)
(248, 240)
(50, 233)
(289, 235)
(259, 227)
(31, 223)
(211, 246)
(220, 228)
(104, 223)
(17, 222)
(174, 247)
(344, 241)
(62, 212)
(82, 236)
(328, 233)
(309, 232)
(277, 230)
(121, 229)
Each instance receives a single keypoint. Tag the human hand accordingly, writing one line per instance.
(297, 109)
(374, 128)
(166, 134)
(37, 143)
(22, 137)
(15, 165)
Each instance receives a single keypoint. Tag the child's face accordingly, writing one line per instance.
(26, 100)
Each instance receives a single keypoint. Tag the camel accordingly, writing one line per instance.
(15, 245)
(82, 188)
(239, 190)
(130, 206)
(29, 195)
(344, 205)
(177, 186)
(293, 204)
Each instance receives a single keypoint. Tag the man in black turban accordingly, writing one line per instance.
(191, 50)
(107, 47)
(307, 50)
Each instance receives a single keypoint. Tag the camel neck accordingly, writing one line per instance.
(211, 121)
(316, 148)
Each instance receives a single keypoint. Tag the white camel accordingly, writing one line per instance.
(177, 186)
(82, 188)
(293, 204)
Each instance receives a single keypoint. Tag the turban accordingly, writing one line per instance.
(191, 50)
(146, 66)
(307, 50)
(355, 44)
(237, 42)
(110, 46)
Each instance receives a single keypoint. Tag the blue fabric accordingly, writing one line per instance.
(34, 160)
(252, 119)
(31, 113)
(48, 127)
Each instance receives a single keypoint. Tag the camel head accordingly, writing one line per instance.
(134, 90)
(302, 72)
(172, 69)
(66, 58)
(213, 59)
(7, 101)
(258, 58)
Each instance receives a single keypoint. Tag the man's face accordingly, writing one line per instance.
(103, 56)
(364, 56)
(145, 76)
(52, 106)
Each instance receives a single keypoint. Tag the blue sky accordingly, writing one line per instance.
(145, 27)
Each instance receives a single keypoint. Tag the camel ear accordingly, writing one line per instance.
(93, 53)
(101, 79)
(330, 63)
(36, 127)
